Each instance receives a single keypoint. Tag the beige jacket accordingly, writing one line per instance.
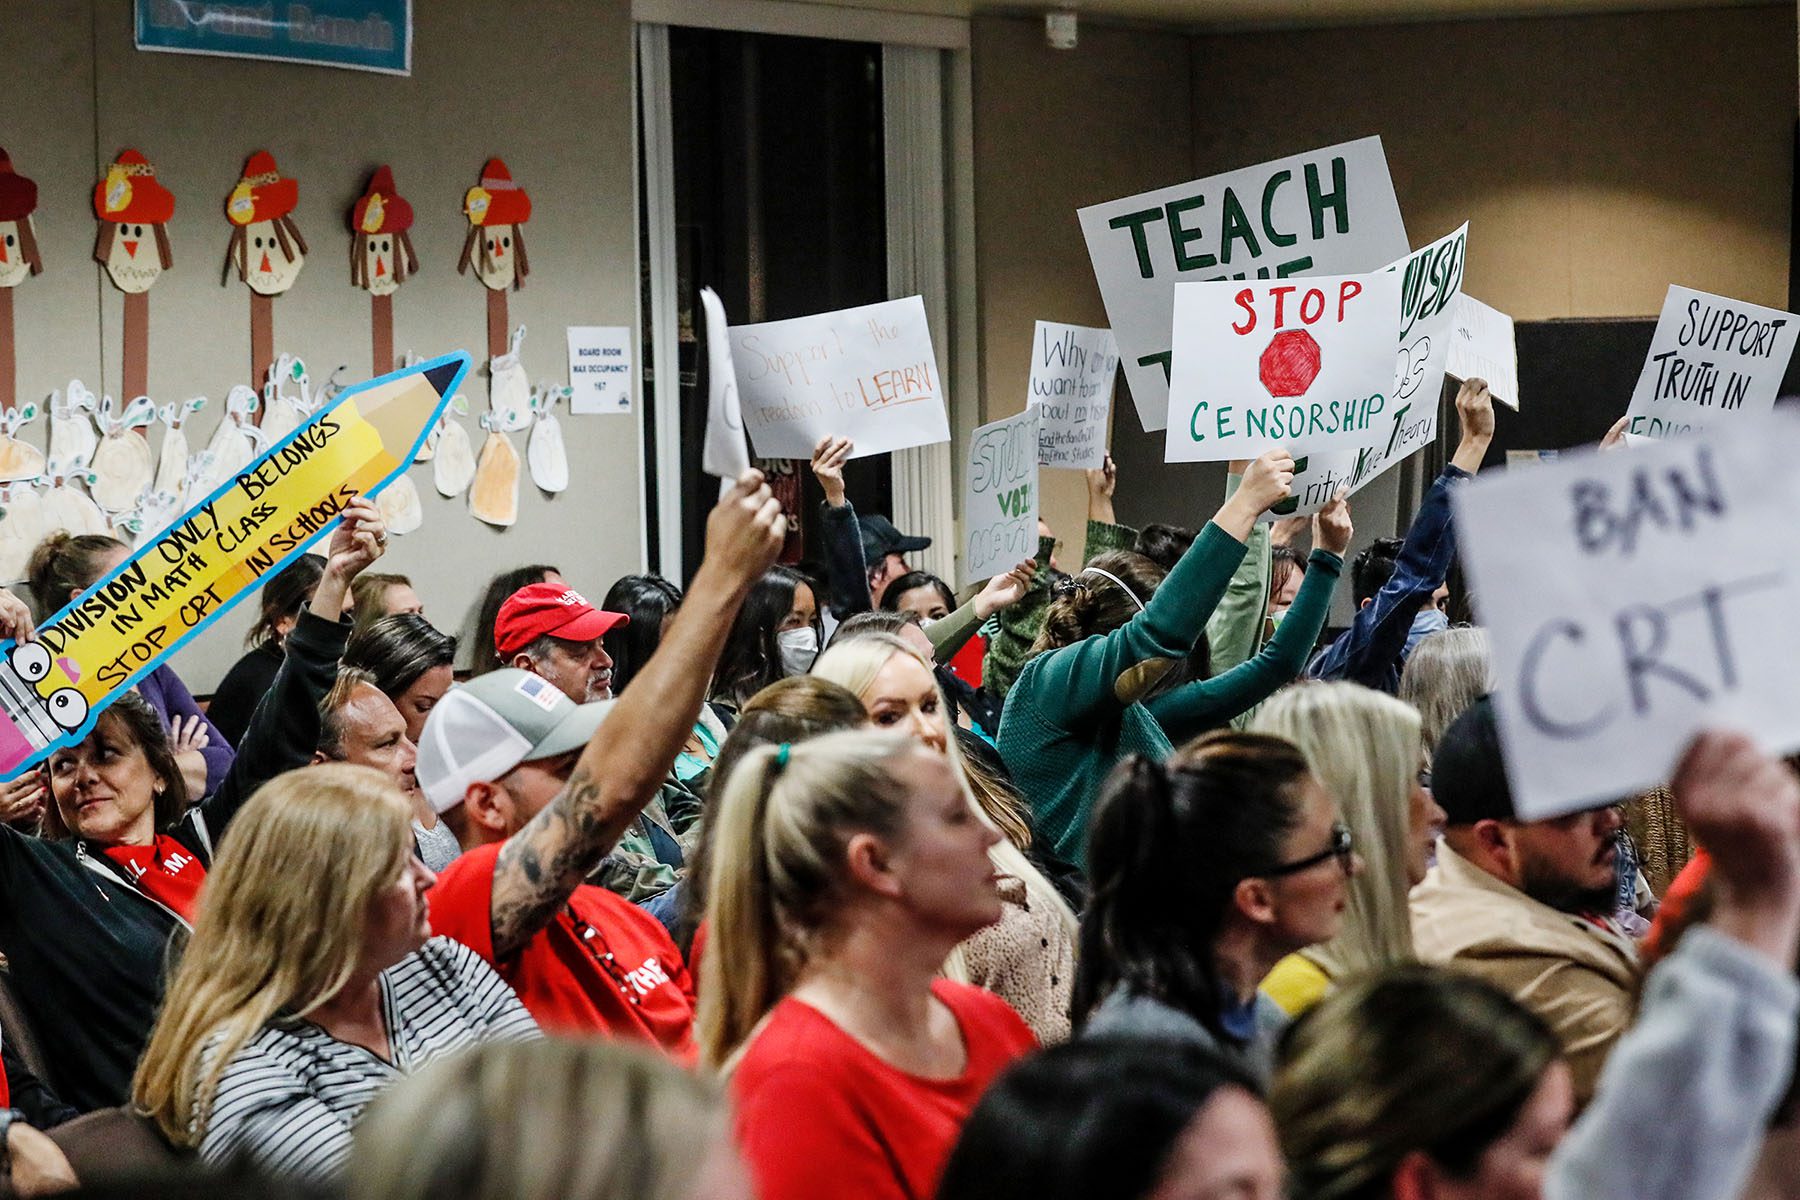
(1581, 979)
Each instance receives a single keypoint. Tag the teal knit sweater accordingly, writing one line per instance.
(1072, 713)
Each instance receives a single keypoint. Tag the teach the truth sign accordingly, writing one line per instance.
(1326, 212)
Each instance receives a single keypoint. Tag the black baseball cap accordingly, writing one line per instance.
(1468, 774)
(880, 539)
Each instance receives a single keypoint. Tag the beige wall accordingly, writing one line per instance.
(1597, 159)
(548, 88)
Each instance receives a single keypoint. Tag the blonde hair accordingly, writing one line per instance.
(280, 929)
(783, 825)
(854, 664)
(1364, 748)
(1445, 673)
(539, 1120)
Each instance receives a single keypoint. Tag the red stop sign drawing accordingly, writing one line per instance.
(1290, 364)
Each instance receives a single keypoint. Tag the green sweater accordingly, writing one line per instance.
(1065, 725)
(1018, 626)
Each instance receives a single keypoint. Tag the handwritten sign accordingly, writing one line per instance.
(1482, 346)
(1000, 496)
(868, 374)
(1710, 358)
(599, 369)
(1430, 283)
(1326, 212)
(1633, 598)
(1306, 364)
(726, 453)
(106, 639)
(1072, 372)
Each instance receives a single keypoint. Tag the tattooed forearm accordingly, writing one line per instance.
(540, 866)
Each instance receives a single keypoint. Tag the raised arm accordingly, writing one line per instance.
(1370, 652)
(1234, 631)
(630, 755)
(842, 531)
(1205, 704)
(1082, 681)
(1687, 1095)
(284, 730)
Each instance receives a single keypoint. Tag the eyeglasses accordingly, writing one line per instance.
(1342, 848)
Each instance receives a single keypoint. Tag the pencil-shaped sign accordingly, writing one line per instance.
(53, 689)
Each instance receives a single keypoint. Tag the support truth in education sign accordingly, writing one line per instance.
(361, 35)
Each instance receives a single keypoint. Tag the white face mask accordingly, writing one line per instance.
(798, 649)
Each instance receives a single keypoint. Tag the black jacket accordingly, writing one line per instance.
(87, 952)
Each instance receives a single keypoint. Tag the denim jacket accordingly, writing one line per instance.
(1370, 651)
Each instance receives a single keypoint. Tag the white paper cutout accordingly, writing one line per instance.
(453, 468)
(509, 393)
(401, 510)
(21, 528)
(72, 436)
(122, 466)
(65, 505)
(235, 442)
(544, 449)
(19, 459)
(172, 458)
(494, 496)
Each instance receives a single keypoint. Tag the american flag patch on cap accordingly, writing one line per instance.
(539, 691)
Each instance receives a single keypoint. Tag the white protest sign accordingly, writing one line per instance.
(1430, 283)
(866, 373)
(1327, 212)
(1306, 363)
(1000, 496)
(1632, 598)
(599, 369)
(1072, 371)
(1710, 355)
(1482, 347)
(725, 453)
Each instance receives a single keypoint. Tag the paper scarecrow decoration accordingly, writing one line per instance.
(381, 258)
(497, 208)
(266, 248)
(134, 211)
(18, 243)
(18, 261)
(266, 245)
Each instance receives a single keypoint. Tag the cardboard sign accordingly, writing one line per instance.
(1326, 212)
(1000, 496)
(1482, 347)
(1307, 364)
(726, 453)
(1711, 359)
(1633, 598)
(106, 639)
(1072, 372)
(1430, 283)
(599, 369)
(868, 374)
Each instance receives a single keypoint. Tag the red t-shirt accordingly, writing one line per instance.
(603, 965)
(165, 870)
(820, 1116)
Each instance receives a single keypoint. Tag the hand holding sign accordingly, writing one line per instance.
(1267, 482)
(1004, 591)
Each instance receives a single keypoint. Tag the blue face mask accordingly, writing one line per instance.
(1429, 621)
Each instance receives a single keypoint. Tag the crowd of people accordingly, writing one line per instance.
(802, 881)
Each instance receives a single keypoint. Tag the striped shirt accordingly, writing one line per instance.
(290, 1099)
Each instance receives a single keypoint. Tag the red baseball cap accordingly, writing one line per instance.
(555, 609)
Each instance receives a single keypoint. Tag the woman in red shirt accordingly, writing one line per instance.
(845, 871)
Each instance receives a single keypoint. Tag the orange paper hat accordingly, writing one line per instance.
(497, 200)
(262, 194)
(130, 194)
(18, 195)
(381, 210)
